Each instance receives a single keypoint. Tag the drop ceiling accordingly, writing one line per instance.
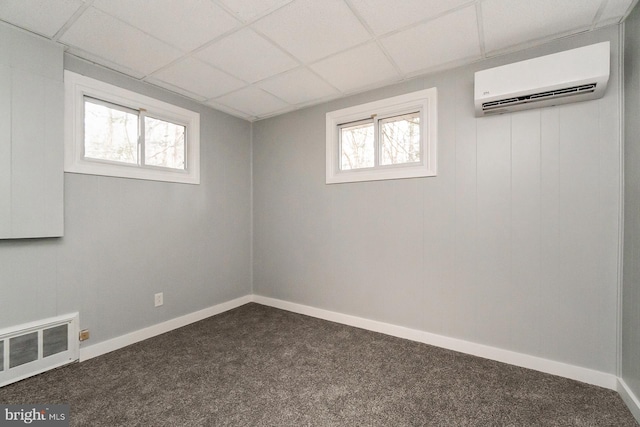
(260, 58)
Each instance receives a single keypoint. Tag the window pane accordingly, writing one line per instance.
(164, 145)
(110, 133)
(357, 146)
(400, 139)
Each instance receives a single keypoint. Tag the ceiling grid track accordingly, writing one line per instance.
(256, 59)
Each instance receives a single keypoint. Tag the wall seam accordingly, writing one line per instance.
(621, 136)
(251, 217)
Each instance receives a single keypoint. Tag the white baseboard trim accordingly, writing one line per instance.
(631, 400)
(585, 375)
(151, 331)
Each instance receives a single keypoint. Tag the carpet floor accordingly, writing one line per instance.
(260, 366)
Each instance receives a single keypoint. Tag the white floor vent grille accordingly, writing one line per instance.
(36, 347)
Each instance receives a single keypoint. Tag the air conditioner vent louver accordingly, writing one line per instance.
(586, 88)
(573, 75)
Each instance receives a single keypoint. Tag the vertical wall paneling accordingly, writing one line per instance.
(580, 228)
(495, 302)
(518, 230)
(610, 148)
(439, 225)
(525, 228)
(353, 256)
(466, 241)
(5, 150)
(551, 308)
(399, 252)
(630, 369)
(53, 124)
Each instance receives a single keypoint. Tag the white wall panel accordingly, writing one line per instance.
(465, 311)
(53, 187)
(580, 235)
(551, 304)
(495, 301)
(525, 228)
(399, 252)
(610, 202)
(357, 241)
(438, 229)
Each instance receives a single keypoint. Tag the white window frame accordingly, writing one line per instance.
(423, 101)
(78, 86)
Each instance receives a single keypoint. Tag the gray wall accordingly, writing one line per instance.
(514, 244)
(631, 289)
(127, 239)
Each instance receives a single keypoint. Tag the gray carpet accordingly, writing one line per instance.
(259, 366)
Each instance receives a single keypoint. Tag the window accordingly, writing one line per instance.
(115, 132)
(389, 139)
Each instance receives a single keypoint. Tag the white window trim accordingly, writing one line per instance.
(423, 100)
(78, 86)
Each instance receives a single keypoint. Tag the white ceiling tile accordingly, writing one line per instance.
(449, 38)
(247, 55)
(142, 37)
(252, 101)
(250, 9)
(511, 22)
(112, 39)
(615, 9)
(197, 77)
(312, 29)
(44, 17)
(357, 68)
(185, 24)
(298, 86)
(388, 15)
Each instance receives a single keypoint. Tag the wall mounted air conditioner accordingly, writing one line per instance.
(570, 76)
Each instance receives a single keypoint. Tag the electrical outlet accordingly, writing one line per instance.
(84, 335)
(158, 299)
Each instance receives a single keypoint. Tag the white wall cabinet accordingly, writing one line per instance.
(31, 136)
